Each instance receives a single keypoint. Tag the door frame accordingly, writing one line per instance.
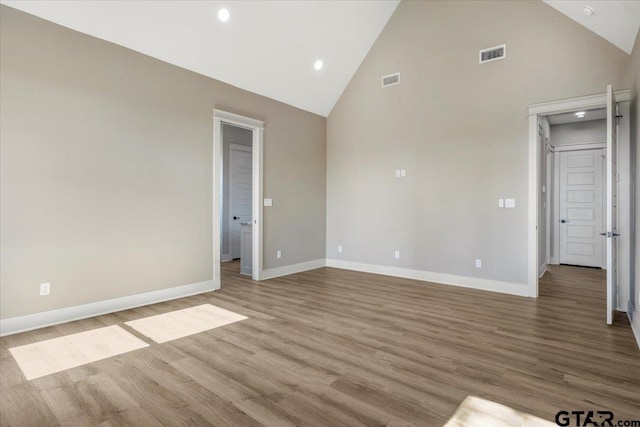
(247, 149)
(221, 117)
(535, 111)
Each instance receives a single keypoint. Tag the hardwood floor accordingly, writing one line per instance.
(331, 347)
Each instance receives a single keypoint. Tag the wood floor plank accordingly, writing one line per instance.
(335, 347)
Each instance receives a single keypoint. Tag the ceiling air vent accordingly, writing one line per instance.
(391, 79)
(493, 53)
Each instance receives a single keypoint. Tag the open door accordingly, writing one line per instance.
(612, 204)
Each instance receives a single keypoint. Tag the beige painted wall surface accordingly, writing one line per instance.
(106, 170)
(460, 129)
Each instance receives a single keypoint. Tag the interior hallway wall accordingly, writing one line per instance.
(591, 131)
(240, 136)
(634, 301)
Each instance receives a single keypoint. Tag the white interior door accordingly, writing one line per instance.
(612, 205)
(581, 207)
(240, 193)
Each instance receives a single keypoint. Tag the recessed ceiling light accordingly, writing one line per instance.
(588, 10)
(224, 15)
(318, 64)
(580, 114)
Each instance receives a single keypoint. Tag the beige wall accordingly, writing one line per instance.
(459, 128)
(106, 170)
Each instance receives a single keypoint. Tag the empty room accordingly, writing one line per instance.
(319, 213)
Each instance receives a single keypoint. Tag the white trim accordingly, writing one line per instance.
(519, 289)
(547, 197)
(572, 104)
(238, 120)
(635, 326)
(257, 128)
(14, 325)
(226, 258)
(532, 214)
(556, 208)
(542, 270)
(270, 273)
(257, 202)
(544, 109)
(579, 147)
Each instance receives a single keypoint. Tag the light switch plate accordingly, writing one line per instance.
(403, 173)
(501, 203)
(397, 254)
(478, 263)
(397, 173)
(268, 202)
(509, 203)
(278, 254)
(340, 248)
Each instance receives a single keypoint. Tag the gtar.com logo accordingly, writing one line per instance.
(592, 419)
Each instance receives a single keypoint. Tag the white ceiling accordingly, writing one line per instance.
(614, 20)
(266, 47)
(269, 47)
(564, 118)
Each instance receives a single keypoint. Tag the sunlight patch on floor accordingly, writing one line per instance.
(59, 354)
(477, 412)
(181, 323)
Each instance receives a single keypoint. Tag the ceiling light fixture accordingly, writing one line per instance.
(580, 114)
(588, 10)
(318, 64)
(224, 15)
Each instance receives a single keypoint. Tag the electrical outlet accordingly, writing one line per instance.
(403, 173)
(478, 263)
(397, 254)
(509, 203)
(397, 173)
(268, 202)
(45, 289)
(278, 254)
(340, 248)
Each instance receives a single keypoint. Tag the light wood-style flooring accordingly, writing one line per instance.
(338, 348)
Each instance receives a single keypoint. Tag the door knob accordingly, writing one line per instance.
(236, 217)
(564, 221)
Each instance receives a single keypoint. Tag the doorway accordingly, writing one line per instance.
(238, 189)
(545, 226)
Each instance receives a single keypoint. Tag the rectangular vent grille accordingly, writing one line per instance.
(391, 79)
(493, 53)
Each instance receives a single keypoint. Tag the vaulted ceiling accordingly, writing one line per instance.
(270, 47)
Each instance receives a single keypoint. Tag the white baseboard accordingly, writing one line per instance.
(270, 273)
(442, 278)
(226, 258)
(542, 270)
(14, 325)
(635, 324)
